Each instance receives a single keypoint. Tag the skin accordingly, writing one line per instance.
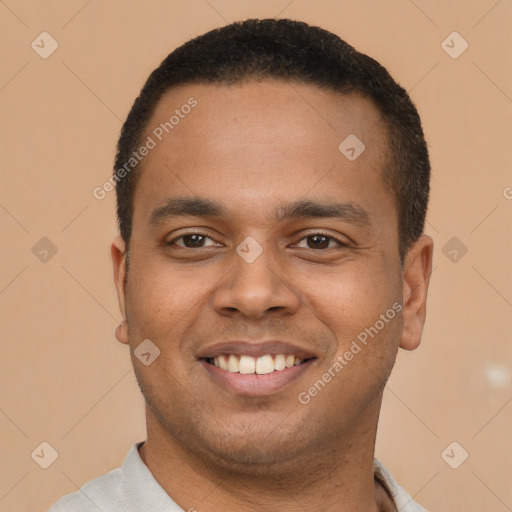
(256, 147)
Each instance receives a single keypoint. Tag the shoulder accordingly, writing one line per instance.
(402, 499)
(129, 488)
(95, 495)
(109, 492)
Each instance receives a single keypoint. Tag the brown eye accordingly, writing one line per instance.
(320, 241)
(192, 241)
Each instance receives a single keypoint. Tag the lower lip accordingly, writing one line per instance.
(253, 384)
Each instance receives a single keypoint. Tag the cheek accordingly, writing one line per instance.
(351, 298)
(160, 298)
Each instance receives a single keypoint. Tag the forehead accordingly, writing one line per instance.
(267, 109)
(260, 142)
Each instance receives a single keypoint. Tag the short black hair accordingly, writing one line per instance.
(289, 50)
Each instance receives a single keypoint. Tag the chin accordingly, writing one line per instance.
(251, 459)
(251, 451)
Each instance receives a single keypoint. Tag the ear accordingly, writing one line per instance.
(118, 252)
(416, 277)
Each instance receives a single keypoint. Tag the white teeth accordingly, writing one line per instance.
(223, 362)
(247, 364)
(259, 365)
(280, 362)
(233, 363)
(264, 365)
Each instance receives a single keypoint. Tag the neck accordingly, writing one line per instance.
(339, 478)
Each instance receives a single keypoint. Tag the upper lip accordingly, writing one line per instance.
(255, 349)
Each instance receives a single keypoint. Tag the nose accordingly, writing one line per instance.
(256, 288)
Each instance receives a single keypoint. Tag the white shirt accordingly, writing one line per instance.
(133, 488)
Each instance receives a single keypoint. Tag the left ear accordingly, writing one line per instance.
(416, 277)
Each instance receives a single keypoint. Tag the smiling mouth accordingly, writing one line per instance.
(248, 365)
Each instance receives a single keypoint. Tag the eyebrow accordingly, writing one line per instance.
(202, 207)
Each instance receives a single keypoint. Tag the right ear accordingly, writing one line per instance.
(118, 252)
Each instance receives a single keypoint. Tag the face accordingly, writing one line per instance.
(264, 267)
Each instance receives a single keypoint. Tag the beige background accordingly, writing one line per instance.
(65, 380)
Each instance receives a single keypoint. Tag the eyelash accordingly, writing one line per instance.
(313, 233)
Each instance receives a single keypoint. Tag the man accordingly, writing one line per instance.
(272, 185)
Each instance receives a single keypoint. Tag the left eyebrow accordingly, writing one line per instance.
(347, 212)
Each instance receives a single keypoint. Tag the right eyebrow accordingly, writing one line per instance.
(186, 207)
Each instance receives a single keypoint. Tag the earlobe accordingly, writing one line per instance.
(118, 252)
(122, 332)
(416, 278)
